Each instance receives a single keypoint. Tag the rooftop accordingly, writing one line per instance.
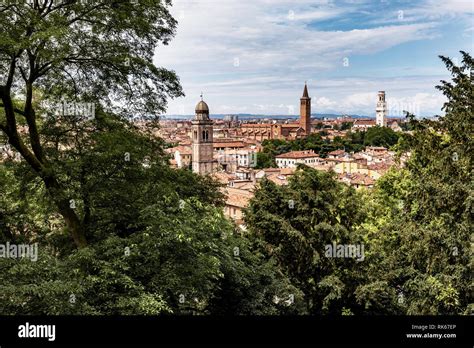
(298, 154)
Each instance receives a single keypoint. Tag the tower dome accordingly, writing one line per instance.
(202, 107)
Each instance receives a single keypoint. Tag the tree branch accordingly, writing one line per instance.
(16, 110)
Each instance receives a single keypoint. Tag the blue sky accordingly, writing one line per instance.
(253, 56)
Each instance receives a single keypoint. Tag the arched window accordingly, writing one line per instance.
(195, 135)
(207, 135)
(203, 135)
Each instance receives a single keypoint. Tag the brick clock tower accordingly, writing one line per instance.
(305, 111)
(201, 129)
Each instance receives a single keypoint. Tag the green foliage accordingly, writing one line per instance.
(57, 54)
(380, 136)
(424, 211)
(346, 125)
(97, 50)
(265, 160)
(295, 224)
(183, 251)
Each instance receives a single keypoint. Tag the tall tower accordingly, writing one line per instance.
(381, 110)
(305, 111)
(201, 129)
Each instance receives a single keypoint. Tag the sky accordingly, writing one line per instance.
(254, 56)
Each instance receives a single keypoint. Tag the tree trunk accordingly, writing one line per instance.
(35, 159)
(70, 217)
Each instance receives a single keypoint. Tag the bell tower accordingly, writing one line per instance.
(201, 132)
(381, 110)
(305, 111)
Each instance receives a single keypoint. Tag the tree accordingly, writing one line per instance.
(380, 136)
(346, 125)
(265, 160)
(424, 212)
(296, 222)
(183, 257)
(96, 54)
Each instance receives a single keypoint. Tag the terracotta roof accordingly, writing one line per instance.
(340, 159)
(298, 154)
(256, 125)
(183, 150)
(336, 152)
(260, 173)
(360, 122)
(278, 179)
(244, 185)
(228, 144)
(357, 179)
(287, 171)
(379, 166)
(237, 197)
(223, 177)
(361, 179)
(322, 167)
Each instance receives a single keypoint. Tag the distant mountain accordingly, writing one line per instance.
(256, 116)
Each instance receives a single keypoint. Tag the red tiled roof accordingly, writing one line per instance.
(360, 122)
(183, 150)
(256, 125)
(298, 154)
(379, 166)
(336, 152)
(237, 197)
(229, 144)
(357, 179)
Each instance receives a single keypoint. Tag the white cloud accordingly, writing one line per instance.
(328, 96)
(275, 55)
(325, 103)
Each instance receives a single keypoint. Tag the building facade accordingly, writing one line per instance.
(202, 140)
(381, 110)
(293, 158)
(296, 130)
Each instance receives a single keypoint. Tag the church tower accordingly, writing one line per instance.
(201, 129)
(381, 110)
(305, 111)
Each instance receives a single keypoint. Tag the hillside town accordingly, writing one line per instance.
(227, 149)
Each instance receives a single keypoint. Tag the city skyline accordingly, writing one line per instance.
(253, 57)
